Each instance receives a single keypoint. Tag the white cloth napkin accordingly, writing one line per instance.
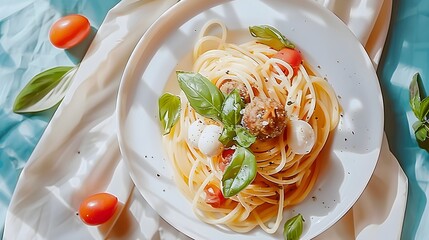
(78, 154)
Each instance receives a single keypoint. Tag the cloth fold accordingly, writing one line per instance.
(78, 154)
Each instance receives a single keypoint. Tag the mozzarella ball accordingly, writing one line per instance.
(194, 132)
(209, 143)
(300, 136)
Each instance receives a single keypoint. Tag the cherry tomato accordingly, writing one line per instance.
(214, 195)
(69, 31)
(225, 158)
(98, 208)
(291, 56)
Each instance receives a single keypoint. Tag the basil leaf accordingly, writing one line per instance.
(424, 109)
(168, 110)
(227, 136)
(44, 90)
(421, 130)
(239, 173)
(204, 97)
(292, 229)
(231, 109)
(270, 36)
(415, 95)
(417, 125)
(244, 138)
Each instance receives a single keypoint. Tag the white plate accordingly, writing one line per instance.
(326, 43)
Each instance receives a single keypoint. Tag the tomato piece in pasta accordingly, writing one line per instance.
(291, 56)
(214, 196)
(225, 158)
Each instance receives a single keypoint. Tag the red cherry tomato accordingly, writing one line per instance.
(98, 208)
(69, 31)
(291, 56)
(214, 195)
(225, 158)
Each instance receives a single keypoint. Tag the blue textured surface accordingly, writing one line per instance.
(407, 52)
(25, 50)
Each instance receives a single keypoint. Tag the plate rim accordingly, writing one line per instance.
(188, 4)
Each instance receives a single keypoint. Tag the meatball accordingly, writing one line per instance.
(229, 85)
(264, 118)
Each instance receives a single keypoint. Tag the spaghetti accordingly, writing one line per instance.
(284, 175)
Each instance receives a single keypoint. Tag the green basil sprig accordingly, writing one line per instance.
(44, 90)
(239, 173)
(207, 100)
(168, 110)
(227, 136)
(270, 36)
(292, 229)
(203, 96)
(231, 117)
(231, 109)
(243, 137)
(236, 134)
(420, 109)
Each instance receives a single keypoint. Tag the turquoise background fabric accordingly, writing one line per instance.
(407, 52)
(25, 51)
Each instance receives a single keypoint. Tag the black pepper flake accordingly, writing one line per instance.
(289, 103)
(145, 156)
(318, 66)
(271, 163)
(314, 198)
(158, 175)
(348, 173)
(78, 152)
(353, 132)
(77, 214)
(163, 190)
(345, 139)
(227, 72)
